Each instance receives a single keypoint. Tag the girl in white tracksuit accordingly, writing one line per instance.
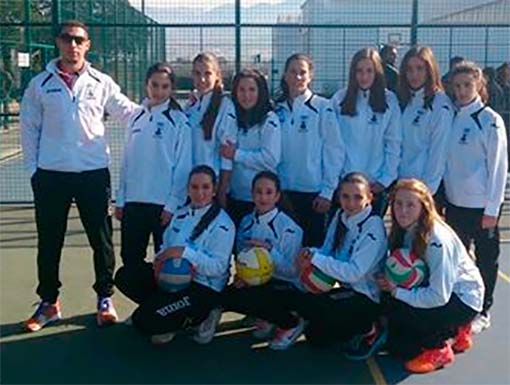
(258, 145)
(312, 149)
(212, 118)
(421, 320)
(369, 120)
(475, 177)
(202, 233)
(354, 246)
(426, 118)
(158, 144)
(268, 226)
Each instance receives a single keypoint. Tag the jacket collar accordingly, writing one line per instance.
(267, 217)
(198, 211)
(354, 220)
(301, 99)
(52, 67)
(155, 109)
(474, 106)
(417, 95)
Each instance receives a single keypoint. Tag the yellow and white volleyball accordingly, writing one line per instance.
(254, 266)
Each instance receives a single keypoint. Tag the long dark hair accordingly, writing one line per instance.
(377, 99)
(164, 68)
(215, 208)
(284, 88)
(432, 82)
(341, 229)
(210, 115)
(256, 115)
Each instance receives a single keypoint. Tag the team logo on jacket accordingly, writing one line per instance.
(416, 120)
(281, 114)
(158, 134)
(89, 93)
(302, 126)
(463, 138)
(373, 119)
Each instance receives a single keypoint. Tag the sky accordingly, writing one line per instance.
(204, 4)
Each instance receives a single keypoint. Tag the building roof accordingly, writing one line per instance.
(493, 12)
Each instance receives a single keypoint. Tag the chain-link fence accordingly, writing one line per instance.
(128, 36)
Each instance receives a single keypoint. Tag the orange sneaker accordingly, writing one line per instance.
(430, 360)
(462, 340)
(106, 314)
(45, 314)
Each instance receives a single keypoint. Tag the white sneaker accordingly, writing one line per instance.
(162, 339)
(207, 328)
(480, 323)
(284, 338)
(263, 329)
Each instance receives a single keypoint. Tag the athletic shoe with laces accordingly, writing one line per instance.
(462, 340)
(207, 328)
(162, 339)
(480, 323)
(106, 313)
(45, 314)
(363, 346)
(263, 329)
(431, 359)
(285, 338)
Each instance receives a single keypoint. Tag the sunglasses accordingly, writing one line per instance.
(68, 39)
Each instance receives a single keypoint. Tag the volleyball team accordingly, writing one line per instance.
(310, 179)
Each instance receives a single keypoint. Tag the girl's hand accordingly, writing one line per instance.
(321, 205)
(238, 282)
(386, 285)
(165, 218)
(376, 187)
(489, 222)
(258, 243)
(304, 259)
(228, 150)
(118, 213)
(171, 252)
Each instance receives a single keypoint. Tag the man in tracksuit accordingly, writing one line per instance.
(66, 154)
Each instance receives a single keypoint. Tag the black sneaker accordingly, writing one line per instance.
(363, 346)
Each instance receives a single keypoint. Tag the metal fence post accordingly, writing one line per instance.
(414, 23)
(238, 35)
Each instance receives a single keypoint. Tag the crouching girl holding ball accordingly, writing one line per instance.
(423, 319)
(201, 234)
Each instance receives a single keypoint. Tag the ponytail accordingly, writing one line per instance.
(212, 112)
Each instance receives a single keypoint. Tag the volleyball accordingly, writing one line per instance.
(405, 269)
(174, 274)
(254, 266)
(315, 281)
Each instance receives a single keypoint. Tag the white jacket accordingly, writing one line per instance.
(312, 149)
(210, 253)
(451, 270)
(356, 261)
(63, 130)
(372, 140)
(157, 158)
(258, 149)
(476, 165)
(425, 132)
(225, 128)
(282, 233)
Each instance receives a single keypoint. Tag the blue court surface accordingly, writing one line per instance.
(76, 351)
